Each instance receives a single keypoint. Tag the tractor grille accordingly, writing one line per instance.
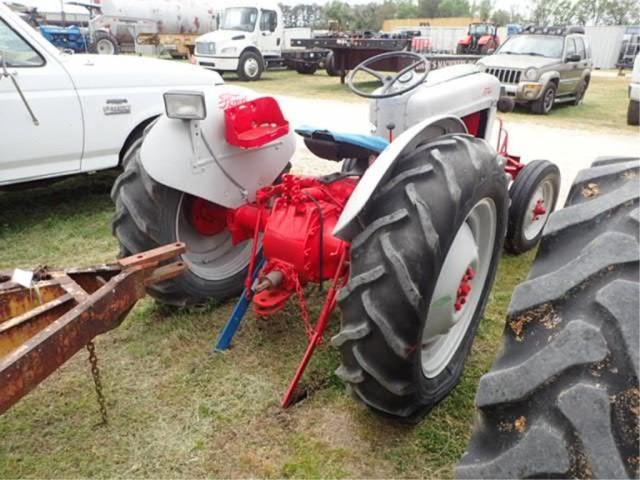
(505, 75)
(205, 48)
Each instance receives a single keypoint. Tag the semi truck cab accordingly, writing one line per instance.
(248, 38)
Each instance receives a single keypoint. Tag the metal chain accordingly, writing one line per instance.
(95, 373)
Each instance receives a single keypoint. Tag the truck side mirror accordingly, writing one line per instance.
(574, 57)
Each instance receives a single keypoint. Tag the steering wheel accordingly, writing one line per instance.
(404, 76)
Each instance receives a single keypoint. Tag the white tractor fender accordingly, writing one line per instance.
(174, 153)
(424, 132)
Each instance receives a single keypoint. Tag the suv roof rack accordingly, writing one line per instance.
(552, 30)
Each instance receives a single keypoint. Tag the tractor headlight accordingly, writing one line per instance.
(185, 105)
(531, 73)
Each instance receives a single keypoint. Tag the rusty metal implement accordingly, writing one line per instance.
(43, 326)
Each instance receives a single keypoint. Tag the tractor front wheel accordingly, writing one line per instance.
(421, 272)
(534, 194)
(149, 214)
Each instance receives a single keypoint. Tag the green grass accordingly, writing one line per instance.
(177, 410)
(604, 107)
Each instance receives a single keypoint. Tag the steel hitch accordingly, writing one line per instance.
(59, 312)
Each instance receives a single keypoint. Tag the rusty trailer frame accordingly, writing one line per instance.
(43, 326)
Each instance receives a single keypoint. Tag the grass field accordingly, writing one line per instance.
(604, 107)
(177, 410)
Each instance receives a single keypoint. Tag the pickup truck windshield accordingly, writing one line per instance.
(538, 45)
(240, 18)
(17, 52)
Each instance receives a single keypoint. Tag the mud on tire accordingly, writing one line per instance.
(562, 399)
(409, 226)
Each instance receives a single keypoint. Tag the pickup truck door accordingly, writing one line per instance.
(269, 40)
(54, 146)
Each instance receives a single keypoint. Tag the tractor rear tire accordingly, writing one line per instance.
(460, 49)
(409, 228)
(147, 216)
(562, 399)
(539, 179)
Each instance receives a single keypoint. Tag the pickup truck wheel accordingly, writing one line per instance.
(633, 112)
(249, 67)
(562, 399)
(105, 44)
(421, 272)
(149, 214)
(533, 194)
(544, 104)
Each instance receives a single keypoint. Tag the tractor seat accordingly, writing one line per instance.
(338, 146)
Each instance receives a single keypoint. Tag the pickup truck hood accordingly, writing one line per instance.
(223, 36)
(114, 71)
(517, 61)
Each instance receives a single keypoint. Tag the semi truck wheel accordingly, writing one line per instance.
(633, 112)
(307, 69)
(330, 65)
(562, 399)
(250, 67)
(105, 44)
(534, 194)
(421, 272)
(149, 214)
(544, 104)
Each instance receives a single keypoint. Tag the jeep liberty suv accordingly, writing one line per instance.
(542, 66)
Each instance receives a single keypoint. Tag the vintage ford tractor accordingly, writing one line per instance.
(409, 233)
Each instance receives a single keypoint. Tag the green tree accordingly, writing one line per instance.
(484, 9)
(341, 13)
(500, 17)
(406, 9)
(622, 12)
(454, 8)
(429, 8)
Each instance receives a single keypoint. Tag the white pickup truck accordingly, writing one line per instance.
(64, 114)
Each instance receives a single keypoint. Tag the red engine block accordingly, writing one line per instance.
(296, 218)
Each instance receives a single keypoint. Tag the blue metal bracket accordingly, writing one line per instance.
(228, 332)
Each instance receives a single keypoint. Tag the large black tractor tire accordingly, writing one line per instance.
(544, 104)
(633, 112)
(250, 67)
(105, 44)
(146, 217)
(538, 180)
(409, 227)
(461, 49)
(562, 399)
(330, 65)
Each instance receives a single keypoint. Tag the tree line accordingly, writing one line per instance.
(370, 16)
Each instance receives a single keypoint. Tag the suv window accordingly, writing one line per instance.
(15, 50)
(536, 45)
(580, 48)
(268, 21)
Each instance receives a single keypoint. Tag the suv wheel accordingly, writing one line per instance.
(581, 90)
(544, 104)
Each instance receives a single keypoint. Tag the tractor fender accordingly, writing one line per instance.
(465, 41)
(423, 132)
(174, 154)
(484, 39)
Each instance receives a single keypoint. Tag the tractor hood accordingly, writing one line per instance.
(517, 61)
(117, 71)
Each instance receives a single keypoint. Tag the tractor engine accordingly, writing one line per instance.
(295, 218)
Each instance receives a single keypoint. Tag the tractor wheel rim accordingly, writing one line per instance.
(534, 222)
(548, 100)
(210, 257)
(104, 47)
(251, 67)
(446, 327)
